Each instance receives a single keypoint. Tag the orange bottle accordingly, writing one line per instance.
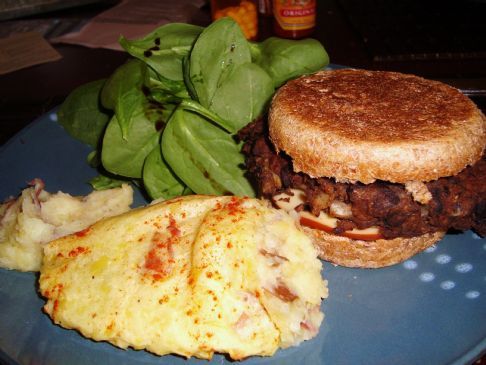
(294, 18)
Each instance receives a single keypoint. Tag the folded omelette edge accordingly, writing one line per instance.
(192, 276)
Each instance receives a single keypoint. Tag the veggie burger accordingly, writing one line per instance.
(379, 165)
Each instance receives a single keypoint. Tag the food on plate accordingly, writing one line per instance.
(37, 217)
(192, 276)
(379, 165)
(167, 117)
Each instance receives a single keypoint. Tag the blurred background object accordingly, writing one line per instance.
(265, 7)
(294, 19)
(10, 9)
(133, 19)
(244, 12)
(437, 39)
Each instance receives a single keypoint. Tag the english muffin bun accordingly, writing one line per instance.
(356, 125)
(385, 162)
(349, 252)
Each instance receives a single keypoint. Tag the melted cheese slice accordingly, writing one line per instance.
(191, 276)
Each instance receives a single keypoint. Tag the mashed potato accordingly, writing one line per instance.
(191, 276)
(37, 217)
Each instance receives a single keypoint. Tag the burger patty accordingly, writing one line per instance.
(458, 202)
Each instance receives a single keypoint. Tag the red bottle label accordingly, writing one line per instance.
(295, 14)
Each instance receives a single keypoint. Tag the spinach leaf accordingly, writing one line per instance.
(82, 114)
(127, 77)
(196, 87)
(103, 182)
(243, 96)
(204, 156)
(164, 48)
(159, 180)
(220, 48)
(284, 59)
(126, 106)
(123, 92)
(125, 156)
(160, 113)
(223, 77)
(94, 159)
(194, 106)
(164, 87)
(186, 73)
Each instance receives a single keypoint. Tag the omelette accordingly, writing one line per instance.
(192, 276)
(37, 217)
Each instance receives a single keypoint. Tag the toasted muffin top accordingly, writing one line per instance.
(358, 125)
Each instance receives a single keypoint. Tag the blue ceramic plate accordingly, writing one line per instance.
(430, 309)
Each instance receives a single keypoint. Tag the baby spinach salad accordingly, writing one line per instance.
(166, 119)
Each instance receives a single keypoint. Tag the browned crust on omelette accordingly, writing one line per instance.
(357, 125)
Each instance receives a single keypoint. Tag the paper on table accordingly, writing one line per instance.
(132, 19)
(22, 50)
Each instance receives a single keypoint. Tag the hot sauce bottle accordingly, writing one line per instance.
(294, 18)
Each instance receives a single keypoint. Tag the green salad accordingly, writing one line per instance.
(167, 118)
